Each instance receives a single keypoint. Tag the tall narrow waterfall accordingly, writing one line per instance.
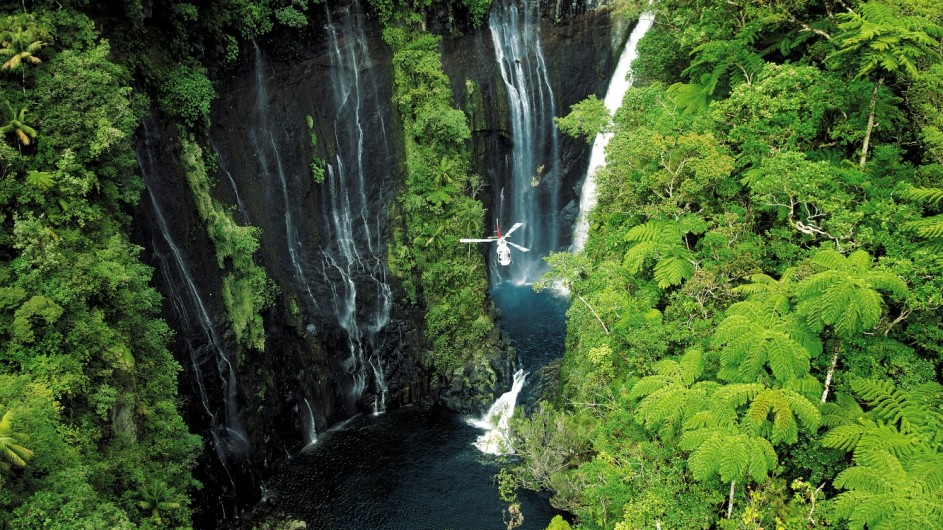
(210, 366)
(271, 169)
(619, 84)
(352, 258)
(531, 195)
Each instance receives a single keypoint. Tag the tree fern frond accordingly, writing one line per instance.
(830, 259)
(928, 227)
(929, 195)
(859, 260)
(887, 281)
(673, 270)
(845, 437)
(891, 404)
(807, 386)
(705, 456)
(736, 395)
(669, 368)
(656, 231)
(927, 471)
(692, 365)
(862, 479)
(734, 455)
(636, 256)
(763, 459)
(646, 386)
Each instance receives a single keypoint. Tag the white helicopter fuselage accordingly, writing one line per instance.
(504, 253)
(503, 250)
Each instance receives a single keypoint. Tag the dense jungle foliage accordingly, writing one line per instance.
(90, 436)
(90, 433)
(759, 339)
(436, 207)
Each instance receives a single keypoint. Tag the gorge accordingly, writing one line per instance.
(339, 341)
(247, 277)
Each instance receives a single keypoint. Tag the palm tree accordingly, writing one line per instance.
(155, 497)
(17, 125)
(12, 453)
(880, 40)
(844, 296)
(20, 41)
(20, 45)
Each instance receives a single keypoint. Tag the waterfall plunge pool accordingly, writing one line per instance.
(419, 469)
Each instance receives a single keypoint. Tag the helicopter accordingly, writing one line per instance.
(504, 253)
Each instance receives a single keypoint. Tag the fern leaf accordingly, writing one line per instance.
(692, 365)
(646, 386)
(763, 459)
(830, 259)
(891, 404)
(734, 455)
(41, 180)
(862, 479)
(650, 231)
(929, 195)
(845, 437)
(636, 256)
(928, 227)
(673, 270)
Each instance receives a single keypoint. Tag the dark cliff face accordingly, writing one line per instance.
(323, 341)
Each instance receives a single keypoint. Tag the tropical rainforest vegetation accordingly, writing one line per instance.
(760, 343)
(90, 430)
(759, 338)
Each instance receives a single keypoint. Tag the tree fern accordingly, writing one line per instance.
(730, 454)
(929, 195)
(669, 396)
(663, 242)
(897, 476)
(777, 413)
(931, 227)
(844, 295)
(754, 340)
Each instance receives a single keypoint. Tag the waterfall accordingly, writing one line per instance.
(312, 434)
(243, 211)
(352, 257)
(619, 84)
(266, 148)
(531, 196)
(206, 349)
(496, 441)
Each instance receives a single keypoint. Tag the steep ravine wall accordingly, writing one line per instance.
(260, 149)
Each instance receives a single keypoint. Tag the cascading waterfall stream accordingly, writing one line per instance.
(311, 426)
(619, 84)
(264, 146)
(532, 193)
(243, 211)
(227, 429)
(351, 261)
(497, 441)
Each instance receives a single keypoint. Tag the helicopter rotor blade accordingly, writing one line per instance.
(513, 228)
(518, 247)
(466, 240)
